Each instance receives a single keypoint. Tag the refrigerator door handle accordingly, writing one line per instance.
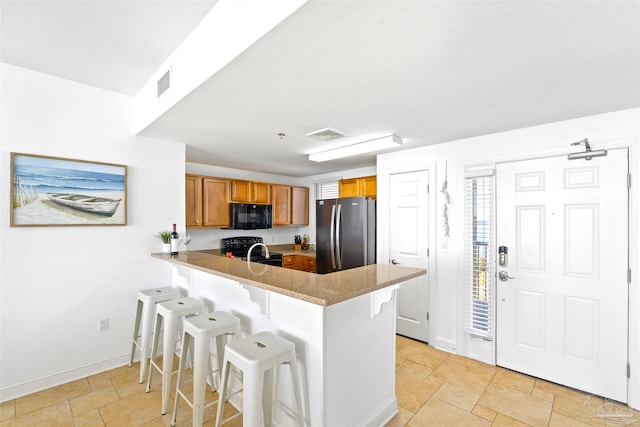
(338, 228)
(332, 241)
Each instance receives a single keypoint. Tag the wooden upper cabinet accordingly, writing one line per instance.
(215, 202)
(281, 198)
(250, 192)
(365, 186)
(261, 192)
(369, 186)
(207, 201)
(349, 187)
(290, 205)
(193, 197)
(299, 205)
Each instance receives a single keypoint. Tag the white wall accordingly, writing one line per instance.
(208, 238)
(57, 282)
(447, 288)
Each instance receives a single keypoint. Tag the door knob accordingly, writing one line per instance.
(504, 276)
(394, 262)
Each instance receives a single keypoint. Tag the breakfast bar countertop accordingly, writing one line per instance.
(320, 289)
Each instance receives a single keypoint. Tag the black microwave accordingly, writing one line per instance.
(247, 216)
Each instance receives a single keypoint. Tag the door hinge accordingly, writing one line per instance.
(427, 252)
(628, 370)
(628, 180)
(628, 276)
(427, 316)
(428, 187)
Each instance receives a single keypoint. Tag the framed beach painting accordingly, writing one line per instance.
(57, 191)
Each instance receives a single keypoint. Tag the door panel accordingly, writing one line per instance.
(562, 315)
(408, 245)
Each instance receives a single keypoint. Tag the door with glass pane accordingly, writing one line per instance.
(562, 297)
(409, 245)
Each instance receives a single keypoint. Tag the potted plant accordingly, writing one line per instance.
(165, 236)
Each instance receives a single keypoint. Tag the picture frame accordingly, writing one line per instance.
(56, 191)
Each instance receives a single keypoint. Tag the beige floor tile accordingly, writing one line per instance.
(504, 421)
(413, 369)
(465, 361)
(423, 354)
(438, 413)
(558, 420)
(50, 396)
(585, 410)
(457, 396)
(473, 379)
(7, 410)
(136, 409)
(103, 379)
(401, 419)
(402, 342)
(58, 414)
(412, 393)
(93, 400)
(486, 413)
(127, 384)
(521, 382)
(89, 418)
(517, 405)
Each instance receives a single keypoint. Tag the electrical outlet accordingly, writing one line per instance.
(103, 324)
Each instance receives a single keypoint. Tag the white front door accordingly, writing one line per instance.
(409, 245)
(562, 315)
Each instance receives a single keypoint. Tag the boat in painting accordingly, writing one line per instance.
(97, 205)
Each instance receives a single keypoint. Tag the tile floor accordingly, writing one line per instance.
(434, 388)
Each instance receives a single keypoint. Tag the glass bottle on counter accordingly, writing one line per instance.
(175, 241)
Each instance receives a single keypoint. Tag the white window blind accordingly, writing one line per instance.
(327, 190)
(479, 246)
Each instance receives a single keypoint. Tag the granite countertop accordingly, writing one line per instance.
(321, 289)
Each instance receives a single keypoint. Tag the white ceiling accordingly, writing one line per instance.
(428, 71)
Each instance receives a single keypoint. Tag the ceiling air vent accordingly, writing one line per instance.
(164, 83)
(326, 134)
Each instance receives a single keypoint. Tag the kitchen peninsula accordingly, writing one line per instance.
(342, 323)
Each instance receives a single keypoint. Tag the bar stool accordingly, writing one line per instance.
(171, 312)
(147, 300)
(198, 332)
(256, 356)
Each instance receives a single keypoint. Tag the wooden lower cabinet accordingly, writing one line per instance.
(300, 262)
(307, 263)
(289, 261)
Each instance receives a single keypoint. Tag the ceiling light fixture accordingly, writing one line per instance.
(390, 141)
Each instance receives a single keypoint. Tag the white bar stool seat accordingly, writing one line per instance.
(256, 356)
(146, 310)
(171, 313)
(198, 332)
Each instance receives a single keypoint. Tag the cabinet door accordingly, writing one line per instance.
(307, 263)
(369, 186)
(215, 202)
(281, 197)
(193, 197)
(261, 192)
(349, 187)
(241, 191)
(289, 261)
(299, 205)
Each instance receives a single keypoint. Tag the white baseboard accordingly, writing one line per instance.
(61, 377)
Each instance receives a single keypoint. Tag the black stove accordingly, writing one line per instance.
(239, 247)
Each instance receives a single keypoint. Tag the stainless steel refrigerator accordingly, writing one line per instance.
(345, 233)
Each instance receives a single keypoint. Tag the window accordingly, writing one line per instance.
(479, 244)
(327, 190)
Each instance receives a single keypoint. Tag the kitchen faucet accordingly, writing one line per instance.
(266, 255)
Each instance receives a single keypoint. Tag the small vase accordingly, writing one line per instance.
(166, 248)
